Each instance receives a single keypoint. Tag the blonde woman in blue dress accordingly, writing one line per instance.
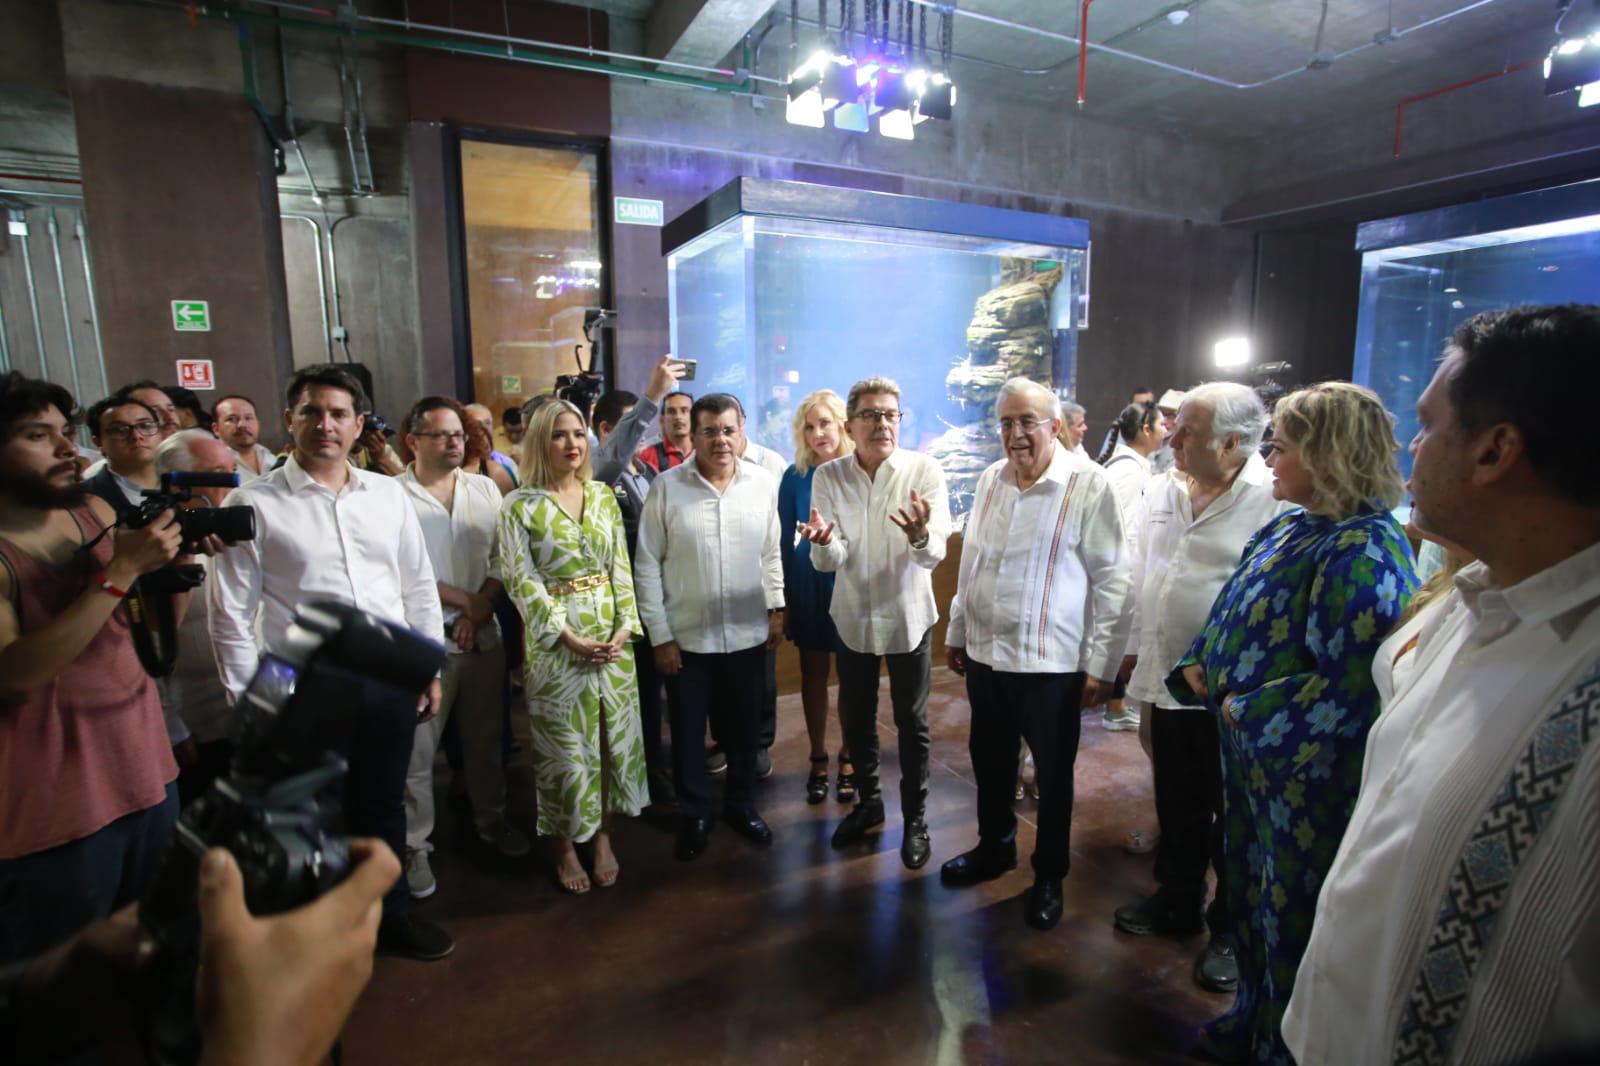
(564, 559)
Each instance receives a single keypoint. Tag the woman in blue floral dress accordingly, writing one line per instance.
(1286, 661)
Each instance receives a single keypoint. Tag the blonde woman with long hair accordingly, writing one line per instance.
(564, 562)
(819, 437)
(1285, 661)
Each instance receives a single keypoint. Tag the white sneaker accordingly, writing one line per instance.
(506, 839)
(1127, 721)
(419, 875)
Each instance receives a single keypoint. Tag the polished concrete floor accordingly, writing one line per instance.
(798, 953)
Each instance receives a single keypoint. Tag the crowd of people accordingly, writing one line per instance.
(1386, 774)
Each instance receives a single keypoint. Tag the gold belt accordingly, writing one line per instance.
(588, 581)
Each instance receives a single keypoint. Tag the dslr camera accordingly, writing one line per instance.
(232, 524)
(274, 810)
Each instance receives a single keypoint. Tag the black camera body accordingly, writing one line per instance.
(196, 523)
(272, 810)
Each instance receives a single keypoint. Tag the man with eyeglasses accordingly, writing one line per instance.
(879, 519)
(709, 580)
(1037, 627)
(459, 512)
(155, 397)
(127, 431)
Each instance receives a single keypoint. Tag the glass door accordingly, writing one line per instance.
(533, 256)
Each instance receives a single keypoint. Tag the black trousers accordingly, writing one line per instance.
(1044, 709)
(910, 677)
(725, 689)
(651, 709)
(1187, 764)
(379, 753)
(768, 731)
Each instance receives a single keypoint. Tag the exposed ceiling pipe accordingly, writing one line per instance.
(1083, 50)
(22, 231)
(94, 309)
(66, 307)
(506, 38)
(1090, 46)
(1400, 111)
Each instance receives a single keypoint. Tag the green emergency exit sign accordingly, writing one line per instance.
(632, 211)
(191, 316)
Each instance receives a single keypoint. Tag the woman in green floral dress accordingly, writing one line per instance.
(1286, 661)
(564, 560)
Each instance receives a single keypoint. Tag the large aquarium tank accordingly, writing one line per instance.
(781, 288)
(1422, 275)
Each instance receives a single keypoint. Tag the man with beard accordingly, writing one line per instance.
(86, 775)
(237, 425)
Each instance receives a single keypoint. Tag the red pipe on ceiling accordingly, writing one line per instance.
(1083, 49)
(1400, 112)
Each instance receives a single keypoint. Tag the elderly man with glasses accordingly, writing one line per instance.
(1037, 627)
(879, 519)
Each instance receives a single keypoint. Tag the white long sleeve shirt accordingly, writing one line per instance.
(883, 598)
(1129, 473)
(1181, 562)
(1489, 665)
(460, 540)
(1043, 585)
(362, 545)
(707, 569)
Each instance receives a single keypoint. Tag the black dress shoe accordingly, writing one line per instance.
(1043, 903)
(1217, 968)
(857, 824)
(916, 847)
(693, 833)
(978, 865)
(411, 937)
(1163, 914)
(749, 825)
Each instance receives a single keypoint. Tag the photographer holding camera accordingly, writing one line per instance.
(327, 530)
(87, 798)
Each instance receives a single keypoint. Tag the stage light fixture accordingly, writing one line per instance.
(1231, 352)
(938, 100)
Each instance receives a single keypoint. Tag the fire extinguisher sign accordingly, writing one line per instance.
(196, 374)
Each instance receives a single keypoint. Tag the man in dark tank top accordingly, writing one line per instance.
(87, 798)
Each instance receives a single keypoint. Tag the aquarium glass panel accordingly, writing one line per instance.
(1413, 297)
(775, 309)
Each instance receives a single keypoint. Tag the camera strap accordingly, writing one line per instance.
(153, 622)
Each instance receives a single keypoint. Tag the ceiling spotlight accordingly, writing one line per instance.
(1574, 63)
(1589, 95)
(1231, 352)
(1179, 16)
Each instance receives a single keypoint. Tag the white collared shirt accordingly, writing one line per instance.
(264, 459)
(193, 692)
(883, 599)
(1490, 664)
(766, 459)
(1129, 473)
(1037, 564)
(1181, 562)
(460, 539)
(707, 570)
(362, 545)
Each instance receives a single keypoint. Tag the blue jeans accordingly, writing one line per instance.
(48, 896)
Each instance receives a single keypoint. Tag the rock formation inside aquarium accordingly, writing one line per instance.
(1009, 336)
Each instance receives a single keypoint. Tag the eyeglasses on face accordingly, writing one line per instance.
(713, 432)
(876, 415)
(1026, 425)
(446, 435)
(145, 428)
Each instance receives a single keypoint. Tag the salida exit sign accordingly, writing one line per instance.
(632, 211)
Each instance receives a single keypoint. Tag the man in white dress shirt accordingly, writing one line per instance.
(235, 423)
(709, 581)
(1075, 426)
(879, 519)
(1460, 921)
(1037, 627)
(459, 513)
(325, 530)
(1195, 520)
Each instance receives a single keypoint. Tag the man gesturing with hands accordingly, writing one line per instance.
(879, 519)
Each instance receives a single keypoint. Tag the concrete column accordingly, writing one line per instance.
(181, 199)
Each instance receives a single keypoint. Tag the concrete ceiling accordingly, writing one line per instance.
(1240, 41)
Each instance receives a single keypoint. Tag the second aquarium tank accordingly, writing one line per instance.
(781, 288)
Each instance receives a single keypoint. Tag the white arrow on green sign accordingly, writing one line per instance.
(191, 316)
(632, 211)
